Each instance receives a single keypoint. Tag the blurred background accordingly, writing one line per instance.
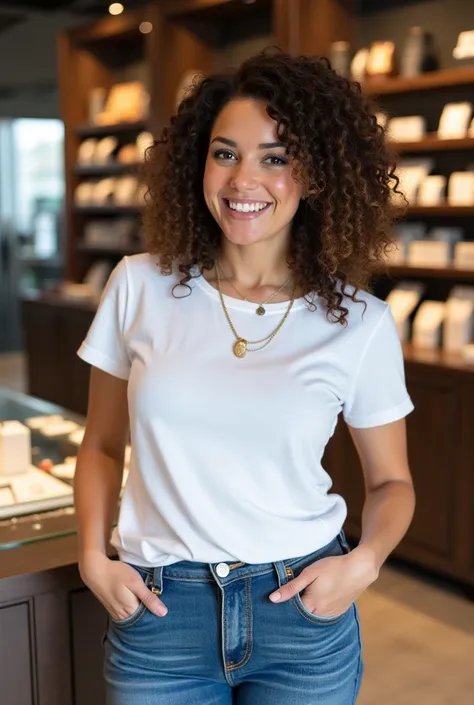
(85, 86)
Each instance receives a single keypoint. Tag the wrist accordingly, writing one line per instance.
(367, 557)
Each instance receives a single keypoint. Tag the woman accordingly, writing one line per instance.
(239, 338)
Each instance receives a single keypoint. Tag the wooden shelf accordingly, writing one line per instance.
(432, 144)
(425, 82)
(107, 210)
(116, 129)
(103, 249)
(41, 262)
(110, 169)
(437, 358)
(405, 270)
(442, 210)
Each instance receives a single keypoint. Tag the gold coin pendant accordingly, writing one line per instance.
(240, 348)
(260, 311)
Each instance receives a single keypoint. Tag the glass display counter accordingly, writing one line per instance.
(37, 502)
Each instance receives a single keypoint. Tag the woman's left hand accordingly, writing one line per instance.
(331, 585)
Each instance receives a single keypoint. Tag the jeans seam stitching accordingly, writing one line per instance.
(248, 651)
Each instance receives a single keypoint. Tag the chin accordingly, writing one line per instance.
(241, 238)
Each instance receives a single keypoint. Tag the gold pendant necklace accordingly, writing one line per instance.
(241, 347)
(260, 311)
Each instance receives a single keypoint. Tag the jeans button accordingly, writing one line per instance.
(222, 570)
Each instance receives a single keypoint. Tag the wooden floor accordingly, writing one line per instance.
(418, 635)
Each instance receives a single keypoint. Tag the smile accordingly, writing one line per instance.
(246, 209)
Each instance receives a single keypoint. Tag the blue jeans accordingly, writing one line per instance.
(224, 643)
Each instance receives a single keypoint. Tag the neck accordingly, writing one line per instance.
(255, 266)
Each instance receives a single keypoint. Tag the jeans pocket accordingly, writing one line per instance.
(141, 609)
(314, 618)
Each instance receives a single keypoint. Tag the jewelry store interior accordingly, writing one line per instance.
(85, 87)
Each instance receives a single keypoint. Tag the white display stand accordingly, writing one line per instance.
(429, 253)
(459, 323)
(403, 300)
(427, 325)
(15, 448)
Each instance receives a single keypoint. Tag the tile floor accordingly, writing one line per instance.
(418, 635)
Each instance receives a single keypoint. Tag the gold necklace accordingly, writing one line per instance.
(241, 347)
(260, 311)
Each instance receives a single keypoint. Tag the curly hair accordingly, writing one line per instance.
(341, 231)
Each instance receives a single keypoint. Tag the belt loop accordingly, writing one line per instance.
(281, 572)
(157, 587)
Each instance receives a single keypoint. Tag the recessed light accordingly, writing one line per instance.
(116, 8)
(146, 27)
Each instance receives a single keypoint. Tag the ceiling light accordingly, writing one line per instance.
(116, 8)
(146, 27)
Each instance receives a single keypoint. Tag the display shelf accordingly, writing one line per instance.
(431, 143)
(40, 262)
(111, 169)
(425, 82)
(436, 357)
(443, 210)
(405, 270)
(103, 249)
(116, 129)
(107, 210)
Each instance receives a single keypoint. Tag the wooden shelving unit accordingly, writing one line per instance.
(106, 210)
(84, 131)
(449, 273)
(428, 81)
(112, 169)
(431, 143)
(441, 210)
(437, 357)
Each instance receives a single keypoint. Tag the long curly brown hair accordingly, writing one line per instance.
(340, 233)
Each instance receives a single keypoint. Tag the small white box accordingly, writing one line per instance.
(403, 300)
(432, 190)
(464, 255)
(459, 323)
(454, 121)
(461, 188)
(428, 324)
(429, 253)
(15, 448)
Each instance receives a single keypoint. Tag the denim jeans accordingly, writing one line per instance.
(223, 642)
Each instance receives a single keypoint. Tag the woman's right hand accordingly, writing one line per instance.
(118, 587)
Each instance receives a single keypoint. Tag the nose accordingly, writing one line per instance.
(244, 176)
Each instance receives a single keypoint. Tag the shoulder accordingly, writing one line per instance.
(141, 271)
(367, 315)
(366, 309)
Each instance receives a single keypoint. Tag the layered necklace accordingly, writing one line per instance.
(241, 346)
(260, 310)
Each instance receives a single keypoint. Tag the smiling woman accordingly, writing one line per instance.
(222, 346)
(297, 150)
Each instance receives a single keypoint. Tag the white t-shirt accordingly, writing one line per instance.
(226, 452)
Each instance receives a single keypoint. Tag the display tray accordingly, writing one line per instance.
(38, 504)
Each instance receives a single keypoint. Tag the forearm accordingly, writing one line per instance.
(387, 514)
(96, 494)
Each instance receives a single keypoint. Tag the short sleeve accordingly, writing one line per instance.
(378, 394)
(105, 345)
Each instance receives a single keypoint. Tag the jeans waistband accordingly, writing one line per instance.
(206, 572)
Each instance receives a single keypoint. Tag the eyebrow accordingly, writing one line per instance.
(264, 145)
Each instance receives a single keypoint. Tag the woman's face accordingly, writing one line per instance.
(248, 182)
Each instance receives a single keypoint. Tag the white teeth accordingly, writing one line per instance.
(247, 207)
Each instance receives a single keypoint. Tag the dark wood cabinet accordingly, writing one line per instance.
(51, 628)
(17, 673)
(441, 454)
(53, 331)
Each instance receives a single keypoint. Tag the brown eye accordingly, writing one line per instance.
(224, 154)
